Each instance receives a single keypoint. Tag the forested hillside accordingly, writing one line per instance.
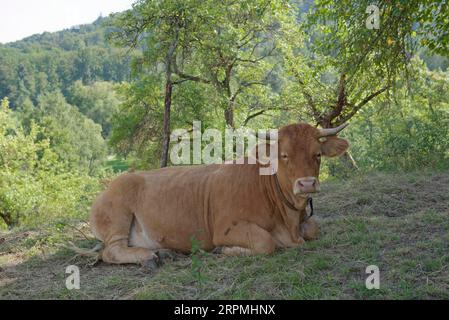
(55, 61)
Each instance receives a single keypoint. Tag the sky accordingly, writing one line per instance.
(23, 18)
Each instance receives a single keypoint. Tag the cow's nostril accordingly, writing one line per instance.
(307, 185)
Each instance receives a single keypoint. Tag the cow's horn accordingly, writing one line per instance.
(331, 131)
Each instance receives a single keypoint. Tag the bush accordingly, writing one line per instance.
(411, 142)
(34, 185)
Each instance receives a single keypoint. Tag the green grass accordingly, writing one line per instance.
(397, 222)
(117, 165)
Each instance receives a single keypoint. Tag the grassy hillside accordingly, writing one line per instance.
(397, 222)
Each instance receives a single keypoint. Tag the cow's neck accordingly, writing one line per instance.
(290, 208)
(282, 195)
(286, 196)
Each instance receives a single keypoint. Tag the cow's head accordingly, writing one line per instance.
(300, 148)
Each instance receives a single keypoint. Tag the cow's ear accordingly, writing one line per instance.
(334, 146)
(260, 153)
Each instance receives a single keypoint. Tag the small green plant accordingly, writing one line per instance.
(197, 263)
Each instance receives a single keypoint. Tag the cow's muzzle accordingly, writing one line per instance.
(306, 185)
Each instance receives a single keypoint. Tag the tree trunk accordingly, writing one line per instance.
(229, 116)
(167, 101)
(167, 110)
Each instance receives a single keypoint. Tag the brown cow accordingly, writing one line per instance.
(225, 206)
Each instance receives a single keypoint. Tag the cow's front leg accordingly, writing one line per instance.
(309, 229)
(243, 238)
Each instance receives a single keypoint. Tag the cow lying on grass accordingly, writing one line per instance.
(232, 207)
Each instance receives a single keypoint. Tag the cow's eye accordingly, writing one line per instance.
(318, 156)
(284, 156)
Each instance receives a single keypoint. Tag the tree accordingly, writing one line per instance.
(346, 64)
(162, 22)
(225, 45)
(343, 64)
(236, 51)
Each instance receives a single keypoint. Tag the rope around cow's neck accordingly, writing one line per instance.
(288, 203)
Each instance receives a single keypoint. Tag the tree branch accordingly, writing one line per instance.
(337, 109)
(259, 58)
(260, 112)
(357, 107)
(316, 115)
(246, 85)
(251, 116)
(186, 77)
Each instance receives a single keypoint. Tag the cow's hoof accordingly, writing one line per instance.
(167, 254)
(151, 265)
(217, 250)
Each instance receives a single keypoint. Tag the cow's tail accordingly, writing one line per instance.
(94, 253)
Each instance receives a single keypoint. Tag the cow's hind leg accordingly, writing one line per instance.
(244, 238)
(112, 224)
(119, 252)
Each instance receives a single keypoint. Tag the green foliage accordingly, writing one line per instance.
(339, 28)
(408, 132)
(34, 185)
(74, 138)
(138, 125)
(97, 101)
(53, 61)
(342, 64)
